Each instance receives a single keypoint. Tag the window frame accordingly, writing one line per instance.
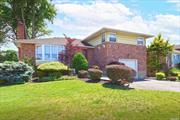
(114, 35)
(140, 39)
(103, 38)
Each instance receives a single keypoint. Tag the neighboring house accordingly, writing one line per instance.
(174, 58)
(100, 48)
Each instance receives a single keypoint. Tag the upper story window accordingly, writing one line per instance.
(103, 37)
(112, 37)
(140, 41)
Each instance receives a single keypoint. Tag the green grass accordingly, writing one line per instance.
(77, 100)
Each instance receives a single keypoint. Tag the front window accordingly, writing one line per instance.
(39, 53)
(140, 41)
(112, 37)
(47, 52)
(54, 49)
(176, 58)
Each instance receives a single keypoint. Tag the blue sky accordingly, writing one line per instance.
(79, 18)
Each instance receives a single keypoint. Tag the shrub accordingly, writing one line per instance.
(178, 65)
(53, 69)
(79, 62)
(160, 75)
(174, 71)
(179, 76)
(82, 74)
(120, 72)
(172, 78)
(95, 74)
(15, 72)
(9, 55)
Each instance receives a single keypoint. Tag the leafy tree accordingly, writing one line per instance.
(70, 49)
(79, 62)
(157, 52)
(33, 13)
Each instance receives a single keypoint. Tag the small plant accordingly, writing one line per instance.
(82, 74)
(179, 76)
(79, 62)
(172, 78)
(120, 72)
(95, 74)
(174, 71)
(160, 75)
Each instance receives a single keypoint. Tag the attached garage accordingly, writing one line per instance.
(132, 63)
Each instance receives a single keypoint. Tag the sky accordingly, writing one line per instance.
(80, 18)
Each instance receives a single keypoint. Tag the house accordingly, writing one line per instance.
(100, 48)
(174, 58)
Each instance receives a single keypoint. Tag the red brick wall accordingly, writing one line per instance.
(108, 52)
(27, 50)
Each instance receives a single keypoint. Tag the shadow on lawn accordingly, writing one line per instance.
(115, 86)
(8, 84)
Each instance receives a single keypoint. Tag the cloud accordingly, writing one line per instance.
(176, 2)
(80, 20)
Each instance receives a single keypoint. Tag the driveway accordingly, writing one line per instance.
(150, 84)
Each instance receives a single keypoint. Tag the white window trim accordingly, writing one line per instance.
(51, 45)
(140, 39)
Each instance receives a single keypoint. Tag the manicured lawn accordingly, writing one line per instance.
(78, 100)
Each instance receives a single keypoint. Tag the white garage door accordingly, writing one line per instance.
(132, 63)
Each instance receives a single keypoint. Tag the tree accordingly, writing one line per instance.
(33, 13)
(157, 52)
(70, 49)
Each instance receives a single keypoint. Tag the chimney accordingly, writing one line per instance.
(20, 30)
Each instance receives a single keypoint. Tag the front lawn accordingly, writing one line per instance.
(78, 100)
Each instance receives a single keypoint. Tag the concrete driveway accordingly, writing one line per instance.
(151, 84)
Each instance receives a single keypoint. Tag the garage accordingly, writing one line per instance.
(132, 63)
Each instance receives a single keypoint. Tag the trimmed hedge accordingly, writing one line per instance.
(160, 75)
(15, 72)
(53, 69)
(82, 74)
(120, 72)
(79, 62)
(95, 74)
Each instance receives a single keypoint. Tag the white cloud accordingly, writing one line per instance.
(176, 2)
(80, 20)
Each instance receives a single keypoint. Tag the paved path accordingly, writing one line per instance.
(156, 85)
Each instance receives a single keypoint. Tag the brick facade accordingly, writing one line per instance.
(27, 50)
(108, 52)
